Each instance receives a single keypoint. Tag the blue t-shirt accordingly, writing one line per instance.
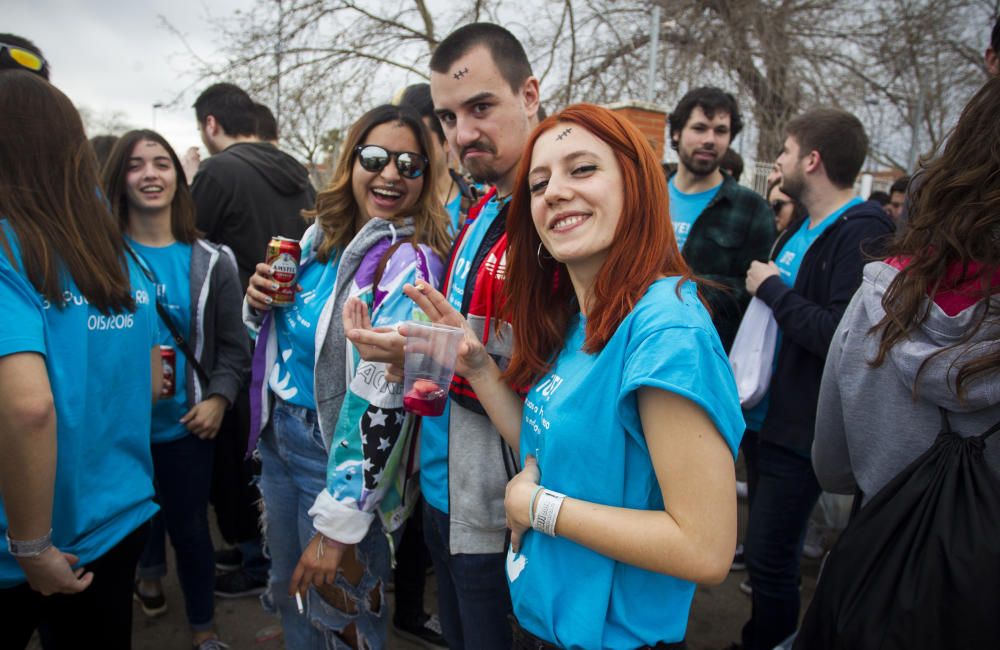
(581, 421)
(788, 263)
(686, 208)
(434, 430)
(172, 266)
(292, 377)
(99, 372)
(454, 210)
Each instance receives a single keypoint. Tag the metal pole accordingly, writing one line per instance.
(156, 106)
(654, 43)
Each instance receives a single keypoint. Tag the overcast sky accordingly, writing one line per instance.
(113, 55)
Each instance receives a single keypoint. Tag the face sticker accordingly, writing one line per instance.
(461, 73)
(564, 134)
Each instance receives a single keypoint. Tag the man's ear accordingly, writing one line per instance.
(531, 96)
(813, 161)
(211, 125)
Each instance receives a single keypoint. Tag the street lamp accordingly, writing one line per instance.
(156, 106)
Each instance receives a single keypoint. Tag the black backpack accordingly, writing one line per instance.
(919, 566)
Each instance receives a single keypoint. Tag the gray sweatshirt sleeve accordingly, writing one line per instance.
(232, 359)
(830, 456)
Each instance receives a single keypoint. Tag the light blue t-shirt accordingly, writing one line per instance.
(581, 421)
(789, 260)
(99, 372)
(434, 430)
(292, 377)
(454, 210)
(172, 267)
(686, 208)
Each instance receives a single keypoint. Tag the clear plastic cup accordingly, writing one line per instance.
(429, 365)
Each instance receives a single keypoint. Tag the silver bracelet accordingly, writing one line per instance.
(30, 547)
(547, 512)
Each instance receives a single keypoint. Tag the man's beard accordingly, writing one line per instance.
(697, 166)
(482, 170)
(793, 186)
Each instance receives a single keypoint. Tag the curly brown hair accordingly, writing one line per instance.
(954, 217)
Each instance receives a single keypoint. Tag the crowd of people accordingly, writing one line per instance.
(581, 481)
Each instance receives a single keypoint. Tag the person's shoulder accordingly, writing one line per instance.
(743, 196)
(670, 303)
(866, 219)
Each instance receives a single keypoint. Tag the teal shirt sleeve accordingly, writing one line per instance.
(688, 361)
(23, 329)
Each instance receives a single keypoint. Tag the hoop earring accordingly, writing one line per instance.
(538, 256)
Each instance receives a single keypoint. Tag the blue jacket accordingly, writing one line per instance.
(808, 314)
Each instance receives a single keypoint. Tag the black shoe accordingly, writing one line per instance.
(152, 606)
(237, 585)
(228, 559)
(425, 631)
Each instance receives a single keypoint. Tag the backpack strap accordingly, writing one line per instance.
(989, 432)
(945, 424)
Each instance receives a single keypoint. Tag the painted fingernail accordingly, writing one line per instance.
(269, 300)
(274, 285)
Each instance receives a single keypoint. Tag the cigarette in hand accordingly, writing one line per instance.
(298, 603)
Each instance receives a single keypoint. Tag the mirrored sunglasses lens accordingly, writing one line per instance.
(25, 58)
(409, 165)
(374, 159)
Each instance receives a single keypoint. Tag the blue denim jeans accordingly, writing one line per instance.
(473, 596)
(294, 459)
(783, 491)
(182, 472)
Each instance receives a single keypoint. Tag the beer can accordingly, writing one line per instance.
(283, 256)
(168, 359)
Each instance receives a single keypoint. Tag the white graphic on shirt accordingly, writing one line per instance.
(378, 418)
(787, 258)
(681, 228)
(515, 564)
(280, 384)
(308, 296)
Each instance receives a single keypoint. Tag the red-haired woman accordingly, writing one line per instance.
(632, 420)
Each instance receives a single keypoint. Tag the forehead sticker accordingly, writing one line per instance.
(461, 73)
(564, 134)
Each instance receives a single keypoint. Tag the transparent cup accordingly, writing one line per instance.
(429, 365)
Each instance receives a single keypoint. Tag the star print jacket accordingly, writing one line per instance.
(371, 440)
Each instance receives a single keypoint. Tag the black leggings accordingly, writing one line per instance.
(99, 616)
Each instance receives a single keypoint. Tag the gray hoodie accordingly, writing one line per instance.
(869, 427)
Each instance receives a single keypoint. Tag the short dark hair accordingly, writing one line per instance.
(507, 52)
(267, 126)
(838, 136)
(231, 107)
(995, 37)
(8, 63)
(710, 100)
(418, 97)
(732, 162)
(880, 197)
(900, 185)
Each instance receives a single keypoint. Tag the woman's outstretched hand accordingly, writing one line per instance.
(472, 356)
(380, 344)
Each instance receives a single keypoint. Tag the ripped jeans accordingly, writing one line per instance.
(294, 459)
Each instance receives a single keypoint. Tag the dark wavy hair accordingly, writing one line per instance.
(954, 217)
(182, 216)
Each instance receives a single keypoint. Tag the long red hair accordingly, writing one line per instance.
(538, 296)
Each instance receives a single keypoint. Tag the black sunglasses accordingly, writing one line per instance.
(777, 204)
(374, 158)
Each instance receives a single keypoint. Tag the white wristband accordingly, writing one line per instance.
(29, 547)
(547, 512)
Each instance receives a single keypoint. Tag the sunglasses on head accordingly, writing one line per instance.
(25, 58)
(374, 158)
(777, 204)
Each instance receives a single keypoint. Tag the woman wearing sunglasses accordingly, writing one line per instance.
(630, 424)
(334, 441)
(198, 291)
(79, 366)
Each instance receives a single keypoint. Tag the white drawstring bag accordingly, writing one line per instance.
(752, 354)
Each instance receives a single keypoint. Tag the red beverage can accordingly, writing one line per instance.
(283, 256)
(168, 359)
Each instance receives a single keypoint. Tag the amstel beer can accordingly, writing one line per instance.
(168, 358)
(283, 256)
